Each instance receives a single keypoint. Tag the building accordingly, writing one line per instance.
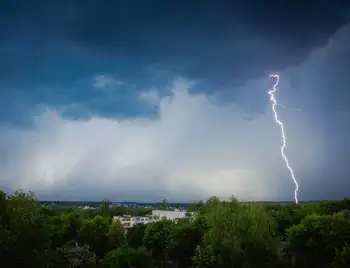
(128, 221)
(168, 215)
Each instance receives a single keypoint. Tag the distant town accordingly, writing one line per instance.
(96, 204)
(155, 211)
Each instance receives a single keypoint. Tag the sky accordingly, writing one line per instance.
(145, 100)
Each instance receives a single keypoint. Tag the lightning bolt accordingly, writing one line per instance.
(272, 92)
(292, 109)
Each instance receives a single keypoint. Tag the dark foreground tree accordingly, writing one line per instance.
(317, 238)
(94, 233)
(115, 235)
(342, 258)
(126, 257)
(135, 235)
(24, 234)
(156, 239)
(239, 235)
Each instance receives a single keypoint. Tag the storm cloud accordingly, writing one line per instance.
(169, 99)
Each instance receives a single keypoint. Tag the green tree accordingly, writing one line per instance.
(164, 205)
(182, 243)
(287, 215)
(127, 257)
(58, 227)
(316, 238)
(24, 234)
(64, 227)
(3, 206)
(135, 235)
(331, 207)
(196, 207)
(342, 258)
(204, 257)
(239, 235)
(115, 235)
(94, 233)
(56, 259)
(48, 211)
(157, 237)
(283, 217)
(105, 205)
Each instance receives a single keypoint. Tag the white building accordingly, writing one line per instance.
(128, 221)
(168, 215)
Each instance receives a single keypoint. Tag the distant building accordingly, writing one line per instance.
(168, 215)
(128, 221)
(87, 207)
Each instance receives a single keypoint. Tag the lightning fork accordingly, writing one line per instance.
(273, 100)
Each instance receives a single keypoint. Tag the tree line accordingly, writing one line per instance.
(223, 234)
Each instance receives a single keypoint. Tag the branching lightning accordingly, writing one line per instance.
(292, 109)
(272, 92)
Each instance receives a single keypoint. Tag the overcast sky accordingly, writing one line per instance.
(145, 100)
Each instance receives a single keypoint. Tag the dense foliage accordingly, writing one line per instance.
(223, 234)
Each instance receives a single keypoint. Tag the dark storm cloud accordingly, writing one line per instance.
(213, 39)
(46, 45)
(207, 38)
